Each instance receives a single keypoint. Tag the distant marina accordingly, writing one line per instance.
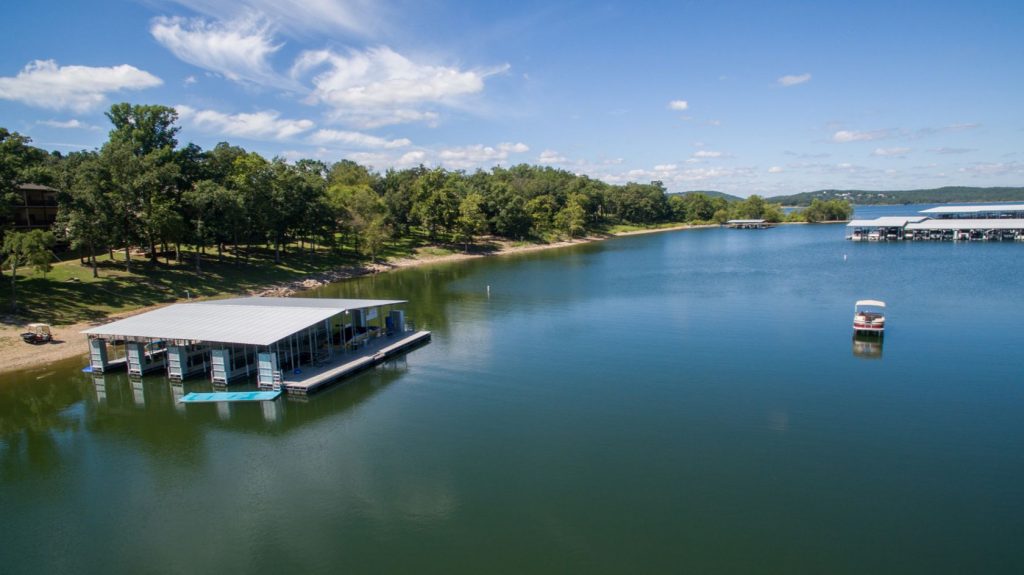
(991, 222)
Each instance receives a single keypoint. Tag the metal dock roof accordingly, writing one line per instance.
(248, 321)
(965, 224)
(886, 222)
(974, 209)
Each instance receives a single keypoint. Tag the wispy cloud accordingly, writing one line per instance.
(237, 49)
(479, 155)
(891, 152)
(794, 80)
(360, 17)
(44, 84)
(551, 157)
(358, 139)
(678, 105)
(262, 125)
(845, 136)
(776, 170)
(949, 151)
(379, 86)
(72, 124)
(707, 154)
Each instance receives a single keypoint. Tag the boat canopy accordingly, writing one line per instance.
(873, 302)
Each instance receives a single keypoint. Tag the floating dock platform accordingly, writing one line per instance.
(310, 380)
(223, 396)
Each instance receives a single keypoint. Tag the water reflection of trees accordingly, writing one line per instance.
(145, 414)
(432, 289)
(32, 412)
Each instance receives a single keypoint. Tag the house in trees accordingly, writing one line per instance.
(35, 207)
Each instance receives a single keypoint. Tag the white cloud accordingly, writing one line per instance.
(479, 155)
(44, 84)
(363, 17)
(678, 105)
(71, 124)
(890, 152)
(706, 154)
(263, 125)
(665, 167)
(356, 139)
(947, 151)
(775, 170)
(380, 86)
(993, 169)
(793, 80)
(413, 158)
(844, 136)
(370, 119)
(551, 157)
(237, 49)
(190, 80)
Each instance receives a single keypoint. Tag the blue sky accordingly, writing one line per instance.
(742, 97)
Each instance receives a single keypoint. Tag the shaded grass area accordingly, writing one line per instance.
(623, 228)
(69, 293)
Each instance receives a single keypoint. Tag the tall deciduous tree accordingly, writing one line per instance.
(20, 248)
(472, 220)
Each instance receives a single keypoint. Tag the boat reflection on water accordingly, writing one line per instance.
(867, 346)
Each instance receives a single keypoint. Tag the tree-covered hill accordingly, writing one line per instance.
(945, 195)
(712, 194)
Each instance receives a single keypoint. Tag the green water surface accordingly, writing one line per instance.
(676, 402)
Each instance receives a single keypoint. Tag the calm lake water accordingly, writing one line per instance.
(683, 401)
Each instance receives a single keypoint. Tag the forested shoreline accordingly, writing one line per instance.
(143, 195)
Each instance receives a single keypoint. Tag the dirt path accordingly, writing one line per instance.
(69, 342)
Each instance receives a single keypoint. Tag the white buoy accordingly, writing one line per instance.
(844, 257)
(488, 291)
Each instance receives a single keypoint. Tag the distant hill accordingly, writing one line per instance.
(712, 194)
(946, 195)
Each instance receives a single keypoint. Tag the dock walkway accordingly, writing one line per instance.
(345, 364)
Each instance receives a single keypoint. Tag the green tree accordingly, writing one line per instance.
(21, 248)
(18, 162)
(364, 213)
(84, 218)
(572, 219)
(472, 220)
(512, 220)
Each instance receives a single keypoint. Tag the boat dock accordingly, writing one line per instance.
(1002, 222)
(311, 379)
(748, 224)
(314, 341)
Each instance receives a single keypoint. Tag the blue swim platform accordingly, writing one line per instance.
(230, 396)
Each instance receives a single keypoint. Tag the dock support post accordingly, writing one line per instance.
(98, 354)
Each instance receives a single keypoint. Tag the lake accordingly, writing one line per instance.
(681, 401)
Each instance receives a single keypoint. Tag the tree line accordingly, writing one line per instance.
(141, 192)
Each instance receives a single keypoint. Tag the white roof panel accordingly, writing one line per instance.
(885, 222)
(319, 302)
(975, 209)
(250, 321)
(871, 302)
(958, 224)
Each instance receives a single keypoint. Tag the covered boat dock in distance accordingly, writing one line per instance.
(886, 228)
(986, 222)
(748, 224)
(978, 212)
(295, 344)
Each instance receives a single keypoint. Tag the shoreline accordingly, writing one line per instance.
(68, 342)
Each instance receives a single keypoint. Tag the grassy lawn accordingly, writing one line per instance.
(69, 293)
(623, 228)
